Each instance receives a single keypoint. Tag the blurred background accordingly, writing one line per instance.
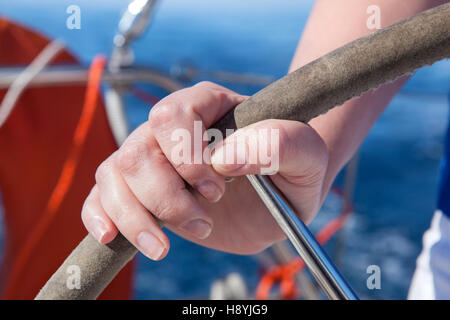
(396, 185)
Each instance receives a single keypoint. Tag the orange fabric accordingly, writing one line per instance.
(47, 164)
(64, 181)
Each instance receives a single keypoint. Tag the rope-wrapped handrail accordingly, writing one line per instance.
(329, 81)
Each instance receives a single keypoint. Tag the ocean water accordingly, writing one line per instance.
(396, 187)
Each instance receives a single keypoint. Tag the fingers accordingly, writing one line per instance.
(179, 122)
(128, 214)
(143, 180)
(96, 220)
(157, 185)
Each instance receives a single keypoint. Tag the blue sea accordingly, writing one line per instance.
(396, 188)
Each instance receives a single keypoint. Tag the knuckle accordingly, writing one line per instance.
(191, 108)
(171, 211)
(121, 213)
(102, 171)
(129, 157)
(222, 96)
(179, 166)
(189, 171)
(123, 216)
(162, 114)
(165, 210)
(205, 84)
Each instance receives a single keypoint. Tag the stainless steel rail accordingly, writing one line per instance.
(316, 259)
(60, 76)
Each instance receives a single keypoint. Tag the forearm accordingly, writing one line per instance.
(332, 24)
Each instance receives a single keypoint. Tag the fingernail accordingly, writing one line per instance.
(150, 245)
(209, 190)
(98, 229)
(199, 228)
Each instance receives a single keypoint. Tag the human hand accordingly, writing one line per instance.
(145, 176)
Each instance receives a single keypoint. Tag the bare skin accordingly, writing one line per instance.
(142, 177)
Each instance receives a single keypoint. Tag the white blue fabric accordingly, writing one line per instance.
(431, 279)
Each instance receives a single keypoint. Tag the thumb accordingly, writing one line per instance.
(289, 148)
